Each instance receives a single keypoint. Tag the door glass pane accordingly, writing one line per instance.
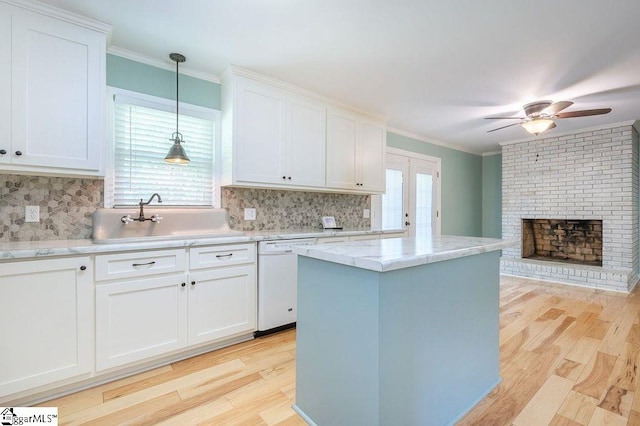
(424, 204)
(392, 201)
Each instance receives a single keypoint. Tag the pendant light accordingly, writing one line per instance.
(176, 154)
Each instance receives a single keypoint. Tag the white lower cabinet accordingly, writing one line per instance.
(222, 302)
(47, 322)
(138, 318)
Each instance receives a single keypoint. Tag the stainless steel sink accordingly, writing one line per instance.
(176, 224)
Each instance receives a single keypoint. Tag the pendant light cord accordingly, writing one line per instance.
(177, 103)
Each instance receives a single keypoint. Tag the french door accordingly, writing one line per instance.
(412, 197)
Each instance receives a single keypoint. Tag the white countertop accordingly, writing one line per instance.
(47, 248)
(398, 253)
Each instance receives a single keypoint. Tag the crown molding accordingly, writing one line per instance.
(63, 15)
(634, 123)
(490, 153)
(431, 141)
(235, 70)
(166, 65)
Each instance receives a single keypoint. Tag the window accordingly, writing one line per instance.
(142, 128)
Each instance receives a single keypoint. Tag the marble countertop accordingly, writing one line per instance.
(38, 249)
(398, 253)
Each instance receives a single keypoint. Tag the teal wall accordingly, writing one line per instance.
(461, 187)
(130, 75)
(492, 196)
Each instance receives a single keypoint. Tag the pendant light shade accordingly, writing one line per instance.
(177, 154)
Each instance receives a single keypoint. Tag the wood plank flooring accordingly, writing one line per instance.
(568, 356)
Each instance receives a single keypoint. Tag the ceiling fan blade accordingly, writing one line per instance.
(503, 127)
(504, 118)
(556, 107)
(583, 113)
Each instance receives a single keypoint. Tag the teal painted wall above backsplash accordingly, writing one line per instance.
(138, 77)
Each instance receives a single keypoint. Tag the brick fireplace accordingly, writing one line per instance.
(580, 188)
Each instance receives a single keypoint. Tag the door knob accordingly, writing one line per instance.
(407, 223)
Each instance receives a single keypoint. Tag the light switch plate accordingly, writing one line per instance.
(249, 214)
(32, 214)
(366, 213)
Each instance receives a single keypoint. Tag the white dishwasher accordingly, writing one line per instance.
(277, 283)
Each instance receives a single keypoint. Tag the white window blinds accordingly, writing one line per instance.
(142, 132)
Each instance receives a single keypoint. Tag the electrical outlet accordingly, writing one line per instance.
(32, 214)
(366, 213)
(249, 214)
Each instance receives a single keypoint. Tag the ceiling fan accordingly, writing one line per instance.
(540, 115)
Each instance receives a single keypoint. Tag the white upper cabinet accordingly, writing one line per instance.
(305, 141)
(355, 152)
(260, 127)
(57, 85)
(277, 136)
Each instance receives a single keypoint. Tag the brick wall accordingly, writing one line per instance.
(591, 175)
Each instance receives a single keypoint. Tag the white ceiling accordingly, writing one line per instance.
(434, 68)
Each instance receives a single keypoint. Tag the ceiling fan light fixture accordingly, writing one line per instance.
(537, 125)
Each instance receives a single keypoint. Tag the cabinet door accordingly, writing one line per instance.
(58, 81)
(5, 83)
(140, 319)
(222, 303)
(259, 125)
(306, 137)
(370, 157)
(47, 322)
(341, 150)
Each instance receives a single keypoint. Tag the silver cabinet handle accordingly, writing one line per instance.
(143, 264)
(219, 256)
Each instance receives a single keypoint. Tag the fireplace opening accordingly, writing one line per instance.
(563, 240)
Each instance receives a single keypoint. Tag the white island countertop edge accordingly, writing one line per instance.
(399, 253)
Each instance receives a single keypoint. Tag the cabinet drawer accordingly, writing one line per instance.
(227, 255)
(125, 265)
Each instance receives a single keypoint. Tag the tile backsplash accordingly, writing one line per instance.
(66, 207)
(278, 209)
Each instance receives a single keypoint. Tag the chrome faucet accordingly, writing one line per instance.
(141, 218)
(155, 218)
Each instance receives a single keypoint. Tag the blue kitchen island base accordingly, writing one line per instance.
(412, 346)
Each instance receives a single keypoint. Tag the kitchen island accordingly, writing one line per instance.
(397, 332)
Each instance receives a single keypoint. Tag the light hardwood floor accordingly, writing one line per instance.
(568, 356)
